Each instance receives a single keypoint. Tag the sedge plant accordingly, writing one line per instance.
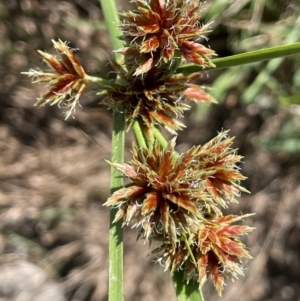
(175, 199)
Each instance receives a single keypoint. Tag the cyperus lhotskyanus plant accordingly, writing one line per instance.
(174, 199)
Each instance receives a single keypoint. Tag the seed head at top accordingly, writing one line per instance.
(160, 30)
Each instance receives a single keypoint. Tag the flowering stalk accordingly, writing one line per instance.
(141, 140)
(115, 287)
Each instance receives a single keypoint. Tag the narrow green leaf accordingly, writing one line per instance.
(265, 75)
(112, 21)
(245, 58)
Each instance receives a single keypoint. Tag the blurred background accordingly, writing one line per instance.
(53, 178)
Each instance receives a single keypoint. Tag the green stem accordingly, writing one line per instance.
(112, 21)
(109, 83)
(245, 58)
(158, 135)
(139, 136)
(186, 291)
(115, 285)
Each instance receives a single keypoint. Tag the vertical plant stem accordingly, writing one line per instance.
(112, 21)
(115, 286)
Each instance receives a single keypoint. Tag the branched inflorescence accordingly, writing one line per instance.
(173, 198)
(156, 36)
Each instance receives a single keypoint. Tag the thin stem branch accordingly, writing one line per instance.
(158, 135)
(139, 136)
(104, 82)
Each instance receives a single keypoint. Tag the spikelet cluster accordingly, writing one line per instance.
(161, 30)
(157, 36)
(158, 98)
(66, 82)
(178, 199)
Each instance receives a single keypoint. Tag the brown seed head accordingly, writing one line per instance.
(156, 98)
(159, 28)
(169, 194)
(213, 250)
(67, 83)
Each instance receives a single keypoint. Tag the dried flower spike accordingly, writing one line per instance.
(213, 250)
(67, 84)
(170, 194)
(160, 28)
